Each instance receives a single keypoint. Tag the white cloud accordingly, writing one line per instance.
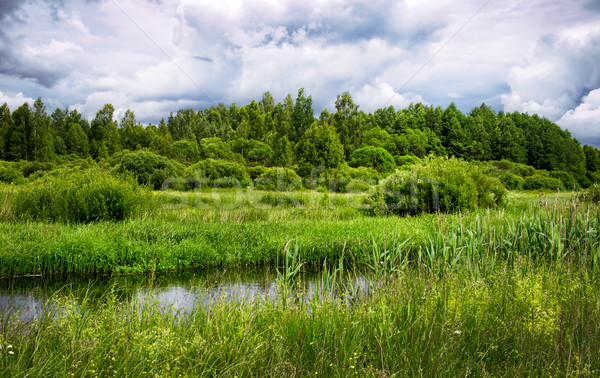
(381, 95)
(14, 101)
(584, 120)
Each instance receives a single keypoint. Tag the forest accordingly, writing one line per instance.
(287, 134)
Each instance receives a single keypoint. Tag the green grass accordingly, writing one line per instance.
(175, 238)
(521, 319)
(499, 292)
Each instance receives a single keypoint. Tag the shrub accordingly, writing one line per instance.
(373, 157)
(442, 184)
(568, 182)
(511, 181)
(255, 172)
(280, 179)
(148, 168)
(540, 181)
(185, 151)
(9, 174)
(593, 193)
(81, 196)
(219, 173)
(283, 200)
(406, 160)
(36, 166)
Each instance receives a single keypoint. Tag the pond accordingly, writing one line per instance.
(181, 292)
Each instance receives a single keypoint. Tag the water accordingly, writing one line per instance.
(180, 292)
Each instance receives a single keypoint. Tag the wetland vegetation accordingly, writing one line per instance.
(439, 244)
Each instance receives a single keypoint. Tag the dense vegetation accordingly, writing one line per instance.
(511, 291)
(267, 134)
(477, 278)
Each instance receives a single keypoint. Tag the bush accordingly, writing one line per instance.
(406, 160)
(255, 172)
(437, 184)
(568, 182)
(9, 174)
(540, 181)
(511, 181)
(36, 166)
(219, 173)
(593, 193)
(148, 168)
(280, 179)
(81, 196)
(373, 157)
(339, 179)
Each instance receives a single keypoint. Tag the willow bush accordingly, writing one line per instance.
(80, 196)
(437, 184)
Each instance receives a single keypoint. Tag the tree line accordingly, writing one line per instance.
(288, 134)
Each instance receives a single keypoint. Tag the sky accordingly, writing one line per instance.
(157, 56)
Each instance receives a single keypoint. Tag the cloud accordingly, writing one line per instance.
(584, 120)
(14, 101)
(561, 71)
(372, 97)
(155, 56)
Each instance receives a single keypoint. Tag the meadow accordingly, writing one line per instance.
(463, 276)
(506, 291)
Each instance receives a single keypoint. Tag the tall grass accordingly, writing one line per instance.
(522, 319)
(561, 232)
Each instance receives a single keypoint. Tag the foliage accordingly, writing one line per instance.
(541, 181)
(279, 179)
(148, 168)
(372, 157)
(219, 173)
(437, 184)
(319, 147)
(511, 181)
(81, 196)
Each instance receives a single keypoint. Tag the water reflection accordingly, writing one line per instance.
(179, 292)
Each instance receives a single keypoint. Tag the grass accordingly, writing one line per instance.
(499, 292)
(521, 319)
(174, 238)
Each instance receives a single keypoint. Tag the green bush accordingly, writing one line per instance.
(541, 181)
(593, 193)
(148, 168)
(283, 200)
(568, 182)
(280, 179)
(256, 171)
(80, 196)
(511, 181)
(437, 184)
(219, 173)
(36, 166)
(377, 158)
(9, 174)
(406, 160)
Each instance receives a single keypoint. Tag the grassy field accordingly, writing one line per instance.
(509, 291)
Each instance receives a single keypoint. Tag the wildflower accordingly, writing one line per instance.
(457, 332)
(8, 346)
(11, 352)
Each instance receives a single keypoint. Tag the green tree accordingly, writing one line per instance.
(42, 140)
(302, 116)
(6, 124)
(345, 121)
(76, 141)
(592, 158)
(319, 147)
(19, 134)
(104, 133)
